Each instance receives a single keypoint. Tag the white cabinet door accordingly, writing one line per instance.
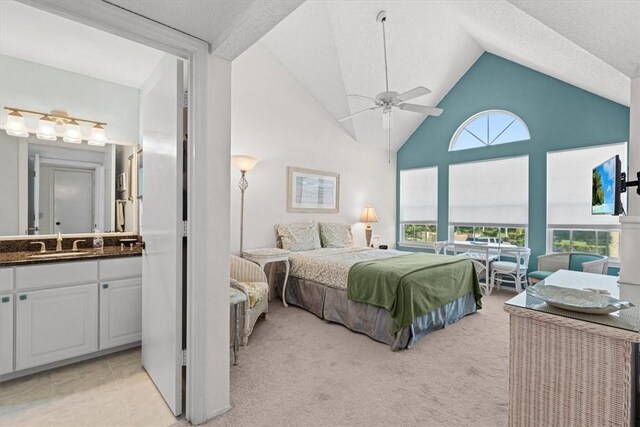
(120, 312)
(6, 334)
(56, 324)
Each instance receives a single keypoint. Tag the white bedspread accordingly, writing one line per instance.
(330, 266)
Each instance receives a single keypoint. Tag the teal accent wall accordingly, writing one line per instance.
(559, 116)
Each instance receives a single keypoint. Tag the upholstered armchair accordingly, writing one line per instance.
(588, 263)
(249, 278)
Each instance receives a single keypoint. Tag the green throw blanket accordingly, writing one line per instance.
(409, 286)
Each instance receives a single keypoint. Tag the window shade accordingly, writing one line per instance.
(419, 195)
(494, 192)
(569, 186)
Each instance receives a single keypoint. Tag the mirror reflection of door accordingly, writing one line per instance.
(73, 200)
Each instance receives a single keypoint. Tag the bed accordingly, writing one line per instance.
(344, 285)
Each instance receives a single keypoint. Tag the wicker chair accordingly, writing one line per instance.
(588, 263)
(249, 278)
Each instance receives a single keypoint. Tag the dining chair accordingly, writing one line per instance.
(503, 271)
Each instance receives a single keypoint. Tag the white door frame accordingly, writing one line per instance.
(120, 22)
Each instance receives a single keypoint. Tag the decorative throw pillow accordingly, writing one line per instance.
(335, 235)
(302, 236)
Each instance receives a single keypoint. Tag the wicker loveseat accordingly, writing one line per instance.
(249, 278)
(588, 263)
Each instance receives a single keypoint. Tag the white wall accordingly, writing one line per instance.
(38, 87)
(634, 145)
(13, 197)
(274, 118)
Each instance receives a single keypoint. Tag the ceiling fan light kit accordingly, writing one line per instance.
(390, 100)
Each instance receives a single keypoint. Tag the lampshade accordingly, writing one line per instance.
(369, 215)
(72, 132)
(98, 136)
(47, 129)
(15, 126)
(244, 163)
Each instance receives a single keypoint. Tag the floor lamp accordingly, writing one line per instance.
(368, 216)
(244, 164)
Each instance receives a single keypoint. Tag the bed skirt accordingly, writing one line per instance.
(332, 304)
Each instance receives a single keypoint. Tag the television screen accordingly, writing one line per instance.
(605, 189)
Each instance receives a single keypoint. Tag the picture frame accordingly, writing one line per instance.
(312, 191)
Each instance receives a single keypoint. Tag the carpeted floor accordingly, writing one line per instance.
(299, 370)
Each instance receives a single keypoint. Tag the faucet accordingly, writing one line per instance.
(59, 243)
(43, 248)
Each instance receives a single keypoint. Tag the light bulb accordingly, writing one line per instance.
(98, 136)
(15, 126)
(72, 132)
(47, 129)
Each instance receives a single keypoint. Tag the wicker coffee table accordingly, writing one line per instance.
(572, 369)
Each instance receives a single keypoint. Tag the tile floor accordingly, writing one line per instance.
(112, 390)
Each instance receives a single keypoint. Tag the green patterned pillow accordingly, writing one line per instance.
(335, 235)
(302, 236)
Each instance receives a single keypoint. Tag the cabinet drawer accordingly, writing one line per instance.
(119, 268)
(56, 324)
(56, 274)
(120, 312)
(6, 279)
(6, 334)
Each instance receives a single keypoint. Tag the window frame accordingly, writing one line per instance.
(464, 124)
(403, 242)
(613, 262)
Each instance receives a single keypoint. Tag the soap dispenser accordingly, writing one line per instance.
(98, 242)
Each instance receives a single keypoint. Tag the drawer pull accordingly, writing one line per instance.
(6, 299)
(105, 285)
(23, 297)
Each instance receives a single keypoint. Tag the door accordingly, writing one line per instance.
(73, 196)
(120, 312)
(161, 118)
(56, 324)
(6, 333)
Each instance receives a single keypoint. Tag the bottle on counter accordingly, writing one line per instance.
(98, 242)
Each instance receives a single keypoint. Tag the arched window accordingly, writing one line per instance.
(487, 128)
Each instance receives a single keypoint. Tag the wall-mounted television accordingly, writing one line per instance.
(606, 188)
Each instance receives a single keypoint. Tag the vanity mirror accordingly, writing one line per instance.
(48, 187)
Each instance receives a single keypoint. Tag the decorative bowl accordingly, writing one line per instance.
(576, 299)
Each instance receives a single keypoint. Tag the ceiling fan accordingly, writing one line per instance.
(388, 100)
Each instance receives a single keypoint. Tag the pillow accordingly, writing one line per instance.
(302, 236)
(335, 235)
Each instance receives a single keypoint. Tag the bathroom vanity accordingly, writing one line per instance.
(59, 310)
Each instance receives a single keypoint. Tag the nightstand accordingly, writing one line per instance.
(264, 256)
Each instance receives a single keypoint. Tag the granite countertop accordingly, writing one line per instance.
(8, 259)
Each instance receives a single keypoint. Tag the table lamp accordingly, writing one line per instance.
(244, 164)
(368, 216)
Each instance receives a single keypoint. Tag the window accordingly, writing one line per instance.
(491, 234)
(571, 226)
(418, 205)
(494, 192)
(487, 128)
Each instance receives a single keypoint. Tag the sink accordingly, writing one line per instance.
(60, 254)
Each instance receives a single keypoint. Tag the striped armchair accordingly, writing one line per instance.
(249, 278)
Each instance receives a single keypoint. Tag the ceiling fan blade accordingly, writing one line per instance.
(413, 93)
(366, 98)
(432, 111)
(355, 114)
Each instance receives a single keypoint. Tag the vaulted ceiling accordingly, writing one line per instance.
(334, 48)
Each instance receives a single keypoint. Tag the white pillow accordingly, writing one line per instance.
(302, 236)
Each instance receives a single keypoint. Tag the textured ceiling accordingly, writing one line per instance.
(37, 36)
(229, 26)
(608, 29)
(334, 48)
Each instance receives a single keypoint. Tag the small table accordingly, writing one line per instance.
(235, 299)
(567, 367)
(264, 256)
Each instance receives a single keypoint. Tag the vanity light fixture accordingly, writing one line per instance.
(14, 125)
(50, 122)
(47, 129)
